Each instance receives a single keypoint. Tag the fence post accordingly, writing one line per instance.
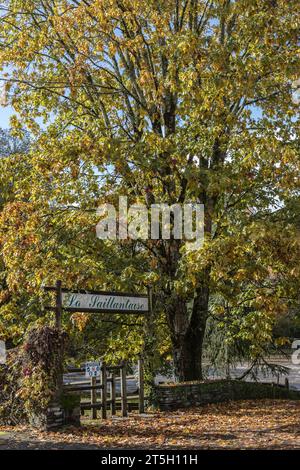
(286, 383)
(104, 391)
(149, 346)
(93, 397)
(123, 390)
(141, 385)
(113, 393)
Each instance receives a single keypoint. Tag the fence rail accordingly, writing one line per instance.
(118, 405)
(108, 379)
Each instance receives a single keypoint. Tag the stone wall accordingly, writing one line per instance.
(65, 411)
(175, 396)
(52, 418)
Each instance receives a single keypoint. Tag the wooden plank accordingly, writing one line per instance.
(97, 292)
(286, 383)
(75, 369)
(101, 310)
(60, 291)
(141, 386)
(113, 393)
(118, 400)
(82, 388)
(83, 382)
(89, 406)
(108, 368)
(98, 406)
(104, 390)
(124, 391)
(93, 396)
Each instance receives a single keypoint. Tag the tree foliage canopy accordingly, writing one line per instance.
(163, 101)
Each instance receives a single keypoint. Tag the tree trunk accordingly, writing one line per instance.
(187, 333)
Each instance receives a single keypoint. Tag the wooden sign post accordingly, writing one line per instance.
(105, 302)
(92, 371)
(94, 397)
(104, 390)
(97, 301)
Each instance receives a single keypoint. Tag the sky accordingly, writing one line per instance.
(5, 113)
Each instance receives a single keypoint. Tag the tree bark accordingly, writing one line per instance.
(187, 334)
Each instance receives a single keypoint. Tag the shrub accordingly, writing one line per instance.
(32, 377)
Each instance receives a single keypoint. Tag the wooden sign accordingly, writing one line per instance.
(104, 302)
(98, 302)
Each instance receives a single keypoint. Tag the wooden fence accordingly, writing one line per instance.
(108, 378)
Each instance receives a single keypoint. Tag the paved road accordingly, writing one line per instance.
(132, 384)
(293, 373)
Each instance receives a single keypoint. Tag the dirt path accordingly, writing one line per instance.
(265, 424)
(27, 440)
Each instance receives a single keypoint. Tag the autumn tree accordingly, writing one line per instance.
(168, 101)
(13, 149)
